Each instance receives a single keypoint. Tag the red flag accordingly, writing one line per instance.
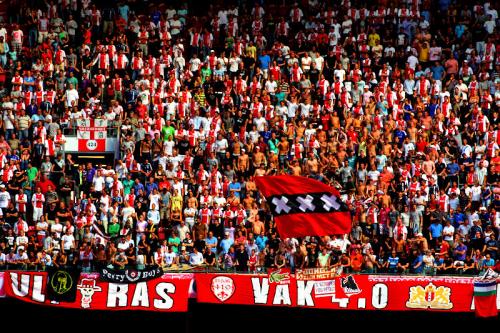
(304, 206)
(485, 298)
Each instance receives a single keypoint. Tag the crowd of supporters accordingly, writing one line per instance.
(395, 103)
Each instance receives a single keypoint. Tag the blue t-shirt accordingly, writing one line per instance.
(264, 61)
(393, 262)
(235, 186)
(436, 230)
(124, 10)
(415, 263)
(400, 135)
(225, 244)
(461, 257)
(138, 187)
(437, 72)
(261, 242)
(29, 79)
(453, 168)
(211, 241)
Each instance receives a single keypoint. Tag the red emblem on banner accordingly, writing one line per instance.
(223, 288)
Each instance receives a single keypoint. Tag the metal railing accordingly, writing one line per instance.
(186, 268)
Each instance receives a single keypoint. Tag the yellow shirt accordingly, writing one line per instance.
(372, 38)
(253, 51)
(423, 55)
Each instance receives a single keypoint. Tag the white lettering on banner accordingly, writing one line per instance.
(380, 296)
(343, 302)
(37, 289)
(282, 295)
(304, 291)
(25, 284)
(325, 288)
(260, 292)
(361, 303)
(140, 295)
(117, 292)
(163, 289)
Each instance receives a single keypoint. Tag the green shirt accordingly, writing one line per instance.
(167, 131)
(174, 242)
(127, 185)
(113, 229)
(205, 72)
(32, 172)
(72, 80)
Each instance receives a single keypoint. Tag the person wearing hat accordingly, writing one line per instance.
(21, 259)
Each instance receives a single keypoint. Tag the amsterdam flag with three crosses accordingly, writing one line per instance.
(304, 207)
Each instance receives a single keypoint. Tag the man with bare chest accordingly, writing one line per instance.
(283, 148)
(312, 164)
(296, 169)
(243, 163)
(428, 166)
(258, 157)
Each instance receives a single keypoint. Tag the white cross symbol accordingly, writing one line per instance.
(306, 203)
(281, 205)
(330, 202)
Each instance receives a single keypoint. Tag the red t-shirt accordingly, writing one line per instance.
(45, 184)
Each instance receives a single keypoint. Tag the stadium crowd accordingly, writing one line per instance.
(395, 103)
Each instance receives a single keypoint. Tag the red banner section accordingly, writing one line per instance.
(91, 134)
(349, 292)
(168, 293)
(2, 288)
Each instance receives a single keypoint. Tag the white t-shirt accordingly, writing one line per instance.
(195, 64)
(68, 241)
(169, 258)
(190, 211)
(98, 183)
(196, 258)
(4, 199)
(448, 229)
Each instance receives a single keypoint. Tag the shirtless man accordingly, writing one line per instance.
(312, 165)
(258, 158)
(258, 226)
(273, 160)
(248, 202)
(296, 169)
(260, 171)
(386, 200)
(283, 148)
(192, 201)
(428, 167)
(335, 120)
(243, 163)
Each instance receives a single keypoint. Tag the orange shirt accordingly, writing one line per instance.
(356, 262)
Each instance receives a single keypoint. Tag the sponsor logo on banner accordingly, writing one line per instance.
(324, 288)
(87, 288)
(223, 287)
(61, 284)
(349, 286)
(316, 273)
(129, 275)
(280, 276)
(430, 296)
